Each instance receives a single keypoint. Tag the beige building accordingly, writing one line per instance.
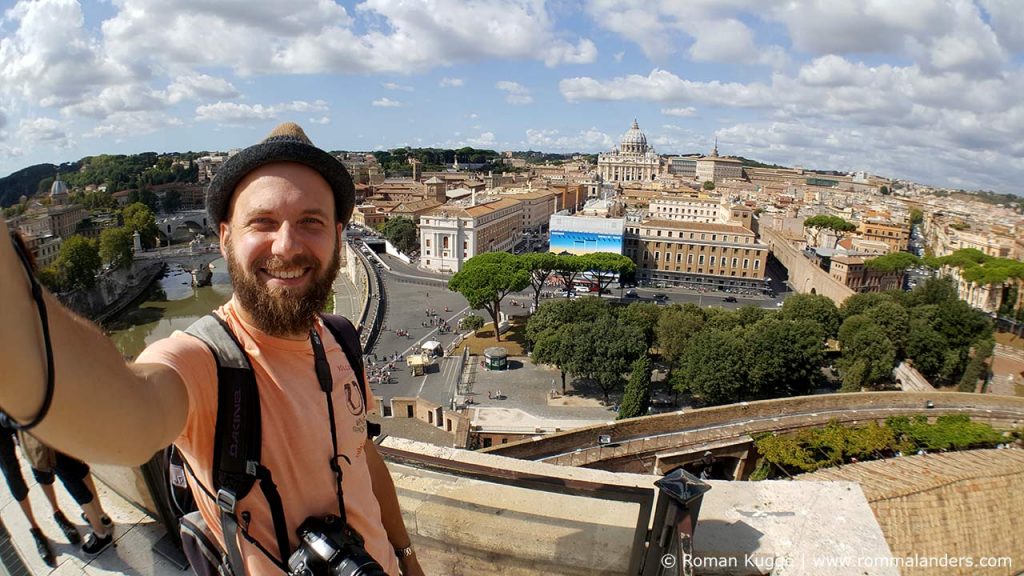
(60, 221)
(851, 271)
(450, 235)
(45, 249)
(633, 161)
(895, 234)
(537, 206)
(715, 168)
(368, 216)
(697, 254)
(415, 209)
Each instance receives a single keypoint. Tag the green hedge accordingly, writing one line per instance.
(810, 450)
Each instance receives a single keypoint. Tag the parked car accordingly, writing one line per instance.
(661, 296)
(729, 299)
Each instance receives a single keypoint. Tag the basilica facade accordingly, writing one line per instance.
(633, 161)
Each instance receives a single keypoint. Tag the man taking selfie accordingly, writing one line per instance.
(280, 207)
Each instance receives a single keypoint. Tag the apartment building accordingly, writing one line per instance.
(895, 234)
(851, 271)
(450, 235)
(711, 255)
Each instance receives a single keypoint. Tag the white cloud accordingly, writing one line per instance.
(50, 59)
(484, 140)
(126, 124)
(323, 120)
(592, 140)
(232, 113)
(618, 56)
(195, 86)
(386, 103)
(515, 93)
(396, 86)
(447, 82)
(45, 131)
(687, 112)
(1004, 16)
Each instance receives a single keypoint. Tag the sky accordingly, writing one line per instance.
(926, 90)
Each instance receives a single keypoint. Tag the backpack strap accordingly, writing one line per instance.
(348, 338)
(237, 438)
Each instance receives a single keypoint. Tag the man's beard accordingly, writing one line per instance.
(283, 311)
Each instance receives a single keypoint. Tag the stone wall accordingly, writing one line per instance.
(113, 291)
(804, 275)
(464, 525)
(818, 409)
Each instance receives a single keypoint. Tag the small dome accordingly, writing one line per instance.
(634, 140)
(58, 188)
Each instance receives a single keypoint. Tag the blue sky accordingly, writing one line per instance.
(927, 90)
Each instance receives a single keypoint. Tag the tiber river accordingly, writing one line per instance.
(170, 304)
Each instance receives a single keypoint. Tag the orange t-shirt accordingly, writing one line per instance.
(296, 442)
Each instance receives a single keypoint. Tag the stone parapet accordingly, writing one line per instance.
(804, 411)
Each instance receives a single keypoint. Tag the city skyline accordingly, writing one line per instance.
(926, 92)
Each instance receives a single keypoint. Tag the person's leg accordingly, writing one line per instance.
(45, 480)
(19, 490)
(74, 474)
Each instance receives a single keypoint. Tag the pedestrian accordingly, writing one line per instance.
(282, 275)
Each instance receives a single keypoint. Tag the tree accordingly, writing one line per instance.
(708, 185)
(553, 347)
(472, 322)
(861, 302)
(567, 268)
(783, 357)
(171, 202)
(77, 263)
(402, 233)
(676, 326)
(603, 351)
(868, 357)
(814, 307)
(884, 190)
(893, 262)
(486, 279)
(644, 317)
(926, 348)
(894, 320)
(139, 218)
(977, 368)
(606, 266)
(916, 216)
(709, 367)
(638, 390)
(540, 265)
(116, 247)
(835, 224)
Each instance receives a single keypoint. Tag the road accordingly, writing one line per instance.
(411, 292)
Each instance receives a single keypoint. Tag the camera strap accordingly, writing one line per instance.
(323, 375)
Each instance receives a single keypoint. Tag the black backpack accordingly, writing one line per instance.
(236, 458)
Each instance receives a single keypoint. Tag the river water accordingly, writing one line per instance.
(172, 303)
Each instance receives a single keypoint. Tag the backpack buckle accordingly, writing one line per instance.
(226, 501)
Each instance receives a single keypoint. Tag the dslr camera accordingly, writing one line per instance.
(328, 546)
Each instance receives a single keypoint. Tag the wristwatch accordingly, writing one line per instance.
(404, 553)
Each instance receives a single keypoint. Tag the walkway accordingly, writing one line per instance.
(134, 532)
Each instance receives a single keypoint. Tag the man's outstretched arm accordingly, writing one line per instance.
(102, 410)
(391, 514)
